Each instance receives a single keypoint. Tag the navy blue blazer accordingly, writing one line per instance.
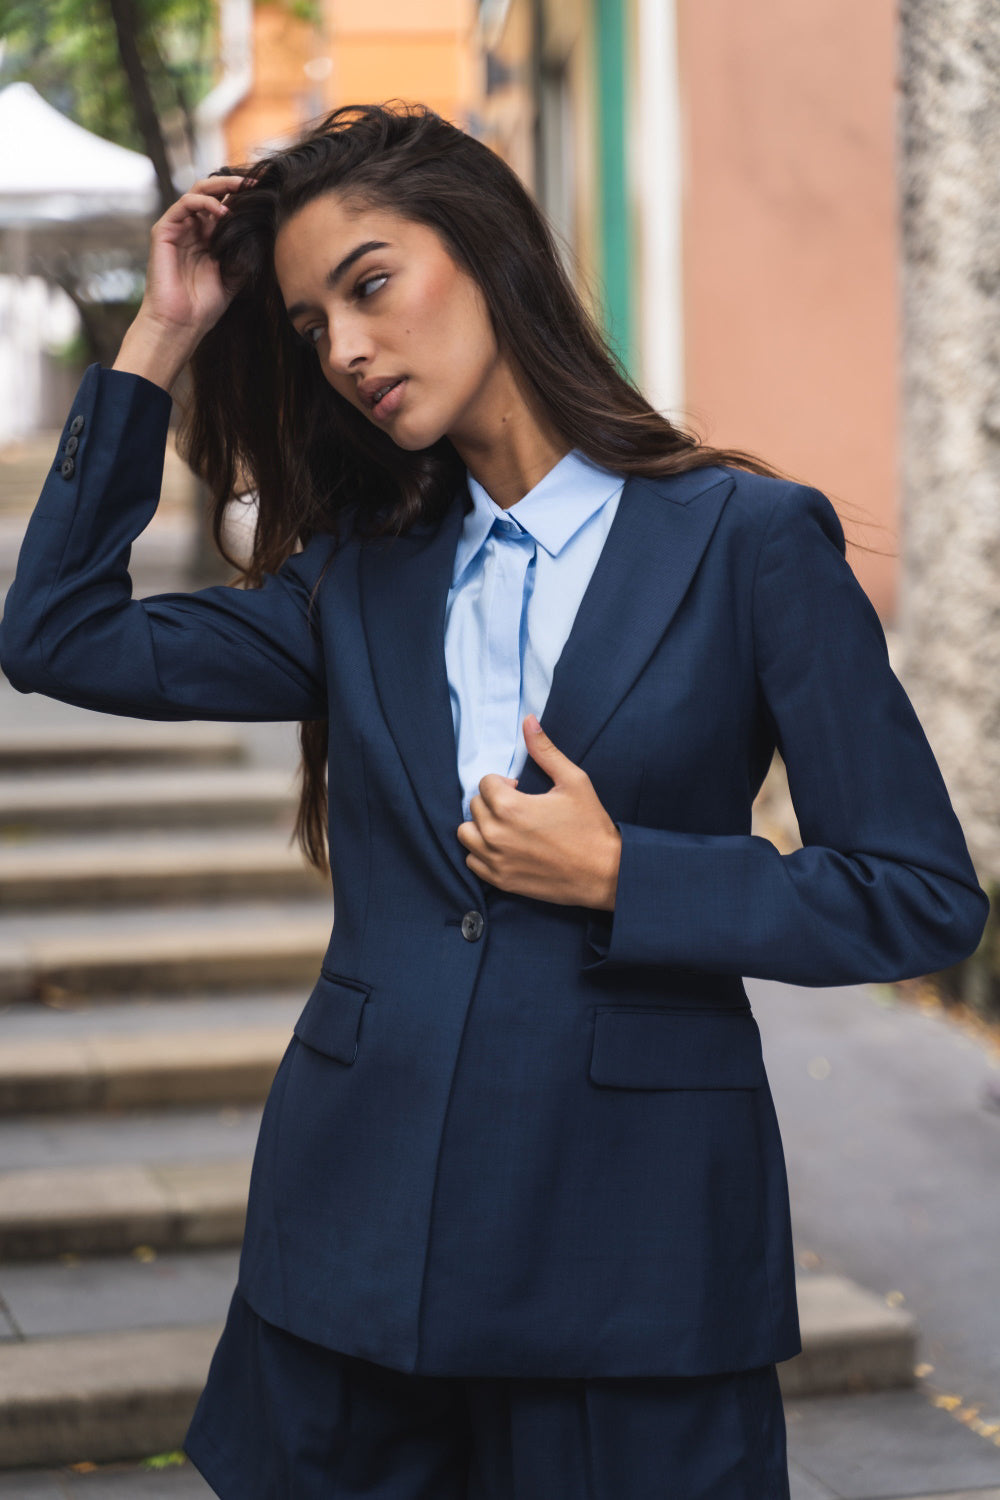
(540, 1143)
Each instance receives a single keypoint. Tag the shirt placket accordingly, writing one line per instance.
(510, 551)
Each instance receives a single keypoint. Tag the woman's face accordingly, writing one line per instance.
(399, 329)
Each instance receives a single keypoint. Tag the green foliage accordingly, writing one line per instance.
(165, 1460)
(68, 50)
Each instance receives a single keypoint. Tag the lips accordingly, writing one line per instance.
(385, 398)
(384, 390)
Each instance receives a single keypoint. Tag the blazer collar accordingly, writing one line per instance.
(652, 551)
(650, 556)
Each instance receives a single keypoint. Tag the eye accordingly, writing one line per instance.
(307, 334)
(369, 285)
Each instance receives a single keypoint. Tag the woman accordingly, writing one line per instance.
(518, 1223)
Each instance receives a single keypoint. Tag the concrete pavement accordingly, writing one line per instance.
(893, 1154)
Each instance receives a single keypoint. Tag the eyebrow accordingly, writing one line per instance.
(334, 275)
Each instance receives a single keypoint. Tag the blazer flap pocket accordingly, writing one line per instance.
(331, 1020)
(675, 1049)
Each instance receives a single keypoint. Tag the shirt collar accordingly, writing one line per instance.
(552, 512)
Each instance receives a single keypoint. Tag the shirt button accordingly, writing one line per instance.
(472, 926)
(76, 426)
(67, 468)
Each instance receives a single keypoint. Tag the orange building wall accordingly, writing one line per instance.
(421, 50)
(790, 247)
(282, 96)
(359, 53)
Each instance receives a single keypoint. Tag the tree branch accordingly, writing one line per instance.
(146, 117)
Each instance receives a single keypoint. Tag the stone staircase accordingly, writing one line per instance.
(158, 937)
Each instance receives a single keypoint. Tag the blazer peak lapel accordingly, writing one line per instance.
(652, 550)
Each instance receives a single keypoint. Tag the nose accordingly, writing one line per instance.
(349, 344)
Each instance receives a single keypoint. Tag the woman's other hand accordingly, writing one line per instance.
(184, 295)
(559, 846)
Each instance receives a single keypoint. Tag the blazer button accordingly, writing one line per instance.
(472, 926)
(67, 468)
(72, 443)
(77, 425)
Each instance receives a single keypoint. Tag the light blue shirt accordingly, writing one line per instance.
(517, 582)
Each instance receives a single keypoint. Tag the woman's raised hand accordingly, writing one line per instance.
(184, 293)
(183, 285)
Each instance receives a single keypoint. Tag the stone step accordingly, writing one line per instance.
(156, 952)
(145, 799)
(852, 1340)
(80, 1294)
(156, 1137)
(104, 1396)
(166, 1477)
(111, 1209)
(122, 1394)
(132, 742)
(98, 871)
(226, 1066)
(158, 1015)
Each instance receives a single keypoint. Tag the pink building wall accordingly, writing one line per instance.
(791, 248)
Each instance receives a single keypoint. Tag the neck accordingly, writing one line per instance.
(508, 447)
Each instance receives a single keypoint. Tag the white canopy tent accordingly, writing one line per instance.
(63, 191)
(53, 172)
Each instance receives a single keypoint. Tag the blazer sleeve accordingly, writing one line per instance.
(883, 888)
(71, 628)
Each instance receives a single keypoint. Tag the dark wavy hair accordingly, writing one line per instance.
(261, 416)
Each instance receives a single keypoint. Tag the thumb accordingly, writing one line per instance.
(544, 753)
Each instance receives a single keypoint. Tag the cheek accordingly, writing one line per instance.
(449, 312)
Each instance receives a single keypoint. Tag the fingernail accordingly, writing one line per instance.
(534, 725)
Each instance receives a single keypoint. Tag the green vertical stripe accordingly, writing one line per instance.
(615, 230)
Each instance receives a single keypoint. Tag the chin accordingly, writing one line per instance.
(411, 440)
(405, 441)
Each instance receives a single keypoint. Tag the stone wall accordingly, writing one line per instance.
(950, 199)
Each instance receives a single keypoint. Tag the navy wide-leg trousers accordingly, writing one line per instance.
(285, 1419)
